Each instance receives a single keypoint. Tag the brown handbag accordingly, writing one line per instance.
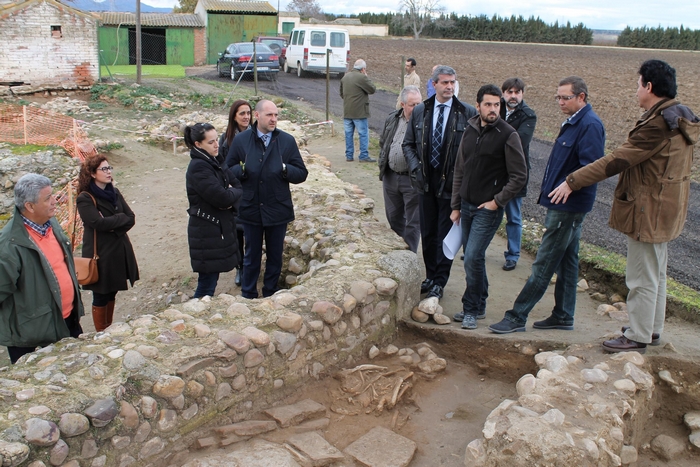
(86, 268)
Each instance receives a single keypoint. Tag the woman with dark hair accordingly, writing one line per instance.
(238, 121)
(105, 212)
(213, 193)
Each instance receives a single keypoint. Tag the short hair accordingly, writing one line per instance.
(662, 77)
(410, 89)
(360, 64)
(516, 83)
(490, 89)
(578, 86)
(87, 168)
(28, 188)
(196, 133)
(442, 70)
(412, 60)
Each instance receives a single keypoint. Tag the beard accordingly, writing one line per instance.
(490, 117)
(511, 104)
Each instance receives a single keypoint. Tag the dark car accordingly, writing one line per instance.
(238, 60)
(276, 44)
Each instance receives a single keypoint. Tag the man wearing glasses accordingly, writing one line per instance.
(581, 141)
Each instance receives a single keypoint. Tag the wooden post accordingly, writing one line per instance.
(24, 123)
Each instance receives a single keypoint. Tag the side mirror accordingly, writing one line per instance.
(221, 54)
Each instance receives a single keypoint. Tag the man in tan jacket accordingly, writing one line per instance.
(651, 198)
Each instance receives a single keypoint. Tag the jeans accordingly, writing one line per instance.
(402, 207)
(514, 228)
(362, 130)
(206, 284)
(274, 247)
(557, 253)
(478, 228)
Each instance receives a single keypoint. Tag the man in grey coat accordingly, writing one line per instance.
(355, 88)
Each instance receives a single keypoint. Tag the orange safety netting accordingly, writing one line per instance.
(32, 125)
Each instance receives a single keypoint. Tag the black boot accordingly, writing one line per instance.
(238, 276)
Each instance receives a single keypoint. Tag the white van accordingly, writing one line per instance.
(307, 50)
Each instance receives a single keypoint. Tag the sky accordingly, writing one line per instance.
(595, 14)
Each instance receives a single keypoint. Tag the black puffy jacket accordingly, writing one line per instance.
(213, 193)
(523, 120)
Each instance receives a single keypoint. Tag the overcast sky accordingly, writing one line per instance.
(595, 14)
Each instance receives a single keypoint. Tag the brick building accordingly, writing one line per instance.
(46, 43)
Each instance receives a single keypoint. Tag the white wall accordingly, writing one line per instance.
(31, 55)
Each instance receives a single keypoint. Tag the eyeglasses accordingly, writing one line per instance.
(564, 98)
(106, 169)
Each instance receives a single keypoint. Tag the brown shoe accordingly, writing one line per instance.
(622, 344)
(655, 337)
(98, 317)
(109, 315)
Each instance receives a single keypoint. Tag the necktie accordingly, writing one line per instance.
(437, 137)
(266, 139)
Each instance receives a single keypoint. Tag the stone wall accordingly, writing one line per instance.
(34, 55)
(145, 391)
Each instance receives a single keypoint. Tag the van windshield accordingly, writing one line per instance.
(318, 38)
(337, 39)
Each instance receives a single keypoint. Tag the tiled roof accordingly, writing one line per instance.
(8, 8)
(237, 7)
(183, 20)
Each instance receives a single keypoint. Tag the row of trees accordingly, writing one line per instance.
(660, 38)
(496, 28)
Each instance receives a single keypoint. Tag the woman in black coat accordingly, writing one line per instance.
(213, 192)
(238, 121)
(105, 212)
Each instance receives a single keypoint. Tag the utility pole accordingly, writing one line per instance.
(138, 41)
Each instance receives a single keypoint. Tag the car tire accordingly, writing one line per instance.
(286, 67)
(300, 71)
(218, 70)
(234, 75)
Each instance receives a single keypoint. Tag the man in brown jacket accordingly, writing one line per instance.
(651, 198)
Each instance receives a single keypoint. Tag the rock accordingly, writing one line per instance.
(253, 358)
(151, 448)
(433, 366)
(349, 303)
(605, 309)
(667, 448)
(41, 432)
(316, 448)
(247, 428)
(614, 298)
(391, 349)
(582, 285)
(594, 376)
(25, 394)
(643, 379)
(73, 424)
(441, 319)
(294, 414)
(363, 291)
(167, 421)
(692, 420)
(238, 309)
(168, 387)
(628, 455)
(665, 375)
(419, 316)
(13, 454)
(526, 384)
(258, 453)
(256, 336)
(597, 296)
(202, 330)
(149, 406)
(373, 352)
(554, 417)
(386, 286)
(694, 438)
(381, 447)
(429, 305)
(556, 364)
(128, 414)
(284, 341)
(625, 385)
(329, 312)
(236, 341)
(290, 322)
(632, 357)
(222, 391)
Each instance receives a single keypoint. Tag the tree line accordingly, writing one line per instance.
(482, 27)
(660, 38)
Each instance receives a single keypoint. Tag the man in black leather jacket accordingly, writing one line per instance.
(522, 118)
(431, 161)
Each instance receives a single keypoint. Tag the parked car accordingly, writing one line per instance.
(307, 48)
(276, 44)
(238, 59)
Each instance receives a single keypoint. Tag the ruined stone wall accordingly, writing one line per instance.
(148, 390)
(35, 55)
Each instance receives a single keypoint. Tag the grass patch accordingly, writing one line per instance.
(23, 150)
(152, 71)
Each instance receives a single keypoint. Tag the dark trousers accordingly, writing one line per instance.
(74, 328)
(435, 223)
(274, 246)
(102, 299)
(241, 243)
(206, 284)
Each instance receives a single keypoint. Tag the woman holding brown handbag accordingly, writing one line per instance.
(105, 212)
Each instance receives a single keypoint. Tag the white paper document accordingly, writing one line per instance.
(452, 242)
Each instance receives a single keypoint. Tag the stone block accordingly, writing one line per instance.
(294, 414)
(380, 447)
(316, 448)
